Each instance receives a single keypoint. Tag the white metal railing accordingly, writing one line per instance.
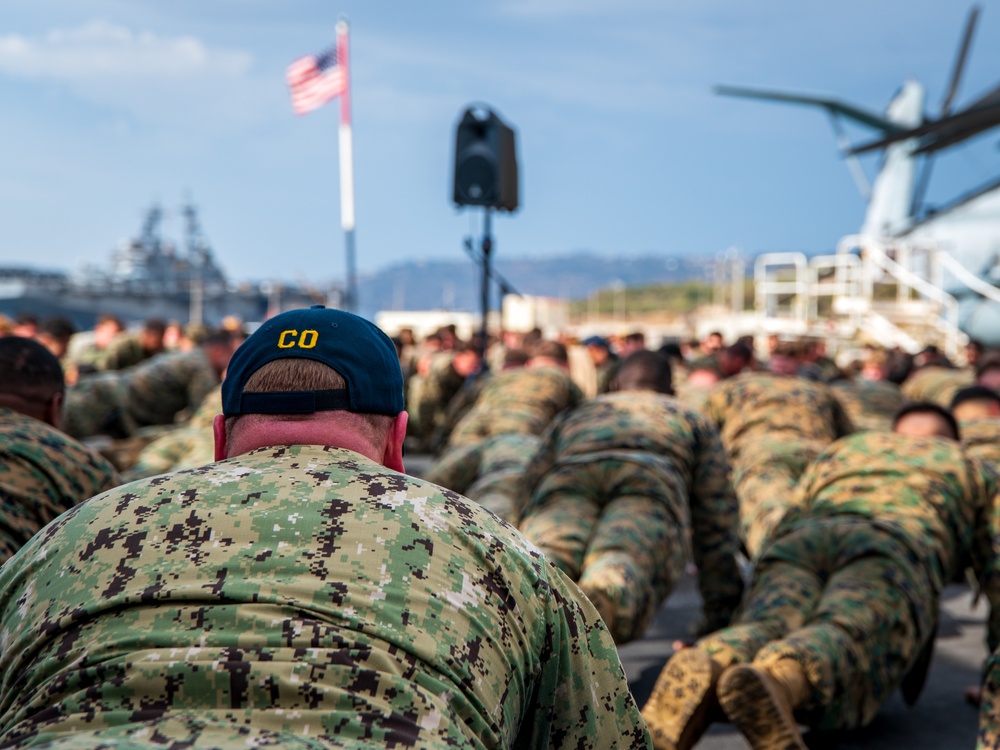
(845, 284)
(788, 289)
(874, 256)
(943, 259)
(768, 289)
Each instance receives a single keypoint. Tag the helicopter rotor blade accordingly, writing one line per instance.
(963, 53)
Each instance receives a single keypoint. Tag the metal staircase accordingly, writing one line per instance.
(871, 291)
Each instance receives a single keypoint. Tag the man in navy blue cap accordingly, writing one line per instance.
(302, 591)
(605, 361)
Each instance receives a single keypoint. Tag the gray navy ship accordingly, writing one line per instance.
(148, 276)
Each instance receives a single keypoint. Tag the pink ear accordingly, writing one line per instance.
(393, 456)
(219, 430)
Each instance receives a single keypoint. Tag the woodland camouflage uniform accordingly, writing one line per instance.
(300, 596)
(616, 489)
(431, 395)
(869, 404)
(124, 352)
(772, 426)
(186, 447)
(981, 438)
(849, 585)
(936, 384)
(43, 473)
(490, 472)
(152, 393)
(520, 401)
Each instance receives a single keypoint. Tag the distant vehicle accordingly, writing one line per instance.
(968, 227)
(148, 277)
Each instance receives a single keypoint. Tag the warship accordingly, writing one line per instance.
(148, 276)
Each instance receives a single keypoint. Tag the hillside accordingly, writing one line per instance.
(455, 285)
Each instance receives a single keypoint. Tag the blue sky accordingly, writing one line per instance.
(109, 105)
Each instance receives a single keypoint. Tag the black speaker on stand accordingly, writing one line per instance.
(485, 175)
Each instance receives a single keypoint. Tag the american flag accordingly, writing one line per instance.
(317, 79)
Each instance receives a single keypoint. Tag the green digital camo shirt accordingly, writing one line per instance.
(926, 492)
(654, 430)
(300, 596)
(981, 438)
(937, 384)
(154, 391)
(520, 401)
(758, 405)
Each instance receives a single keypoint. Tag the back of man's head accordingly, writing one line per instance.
(55, 333)
(315, 376)
(975, 402)
(926, 419)
(644, 371)
(988, 370)
(31, 379)
(515, 359)
(549, 352)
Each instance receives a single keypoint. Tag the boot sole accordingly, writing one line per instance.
(679, 710)
(753, 704)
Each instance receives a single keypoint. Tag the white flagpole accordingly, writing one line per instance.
(347, 169)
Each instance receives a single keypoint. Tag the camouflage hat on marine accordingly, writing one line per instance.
(351, 345)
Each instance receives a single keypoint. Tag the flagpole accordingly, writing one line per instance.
(347, 170)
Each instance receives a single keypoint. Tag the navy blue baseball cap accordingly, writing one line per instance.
(596, 341)
(353, 346)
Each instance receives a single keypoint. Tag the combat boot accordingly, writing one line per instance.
(761, 703)
(683, 702)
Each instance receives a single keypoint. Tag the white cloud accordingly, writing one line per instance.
(555, 9)
(100, 50)
(176, 81)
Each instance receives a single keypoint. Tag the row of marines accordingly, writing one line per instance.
(852, 534)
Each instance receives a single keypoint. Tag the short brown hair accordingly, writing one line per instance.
(28, 370)
(298, 374)
(551, 350)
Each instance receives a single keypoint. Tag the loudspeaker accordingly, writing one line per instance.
(485, 161)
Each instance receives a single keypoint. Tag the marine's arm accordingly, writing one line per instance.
(986, 545)
(714, 526)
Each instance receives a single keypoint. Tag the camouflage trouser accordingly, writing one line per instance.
(94, 407)
(764, 479)
(989, 709)
(834, 596)
(616, 528)
(489, 472)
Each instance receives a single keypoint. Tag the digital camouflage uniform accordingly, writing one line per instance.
(616, 488)
(42, 474)
(936, 384)
(772, 426)
(869, 404)
(459, 405)
(300, 596)
(152, 393)
(849, 585)
(490, 472)
(981, 438)
(431, 394)
(124, 352)
(186, 447)
(520, 401)
(606, 373)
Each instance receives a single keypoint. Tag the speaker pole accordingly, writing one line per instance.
(487, 248)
